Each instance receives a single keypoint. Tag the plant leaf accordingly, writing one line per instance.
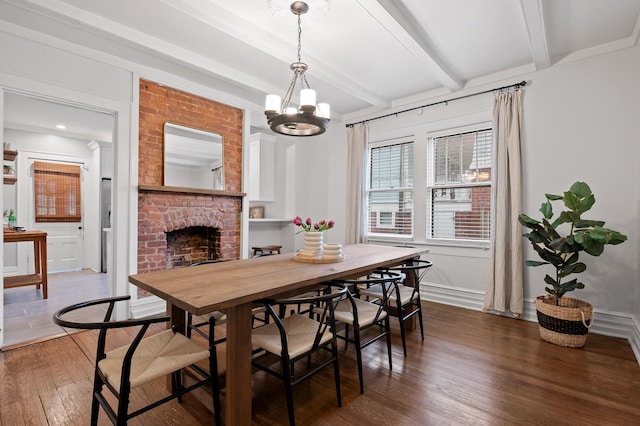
(574, 268)
(588, 223)
(571, 285)
(535, 263)
(527, 221)
(546, 209)
(572, 201)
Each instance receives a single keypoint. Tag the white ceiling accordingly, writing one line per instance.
(364, 56)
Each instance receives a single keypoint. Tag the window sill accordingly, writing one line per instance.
(482, 245)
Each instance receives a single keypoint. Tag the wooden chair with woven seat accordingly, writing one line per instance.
(363, 315)
(145, 359)
(405, 301)
(297, 336)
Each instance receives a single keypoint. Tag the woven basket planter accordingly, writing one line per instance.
(565, 324)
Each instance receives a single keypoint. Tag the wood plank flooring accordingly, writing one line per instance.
(471, 369)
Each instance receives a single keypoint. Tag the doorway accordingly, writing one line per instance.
(32, 126)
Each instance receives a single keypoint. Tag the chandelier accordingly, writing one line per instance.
(311, 118)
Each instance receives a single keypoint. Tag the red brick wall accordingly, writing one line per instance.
(161, 104)
(162, 212)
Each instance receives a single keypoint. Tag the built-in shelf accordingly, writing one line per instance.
(269, 219)
(9, 179)
(10, 155)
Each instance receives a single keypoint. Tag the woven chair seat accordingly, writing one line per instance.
(301, 333)
(221, 317)
(366, 312)
(156, 356)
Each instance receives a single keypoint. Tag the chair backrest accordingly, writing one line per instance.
(386, 281)
(106, 324)
(413, 270)
(325, 304)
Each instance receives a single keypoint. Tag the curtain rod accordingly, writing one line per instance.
(516, 85)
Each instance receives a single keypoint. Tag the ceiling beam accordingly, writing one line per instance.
(399, 23)
(534, 21)
(224, 19)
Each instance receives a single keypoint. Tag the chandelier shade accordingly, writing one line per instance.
(311, 118)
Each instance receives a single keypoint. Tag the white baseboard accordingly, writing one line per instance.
(608, 323)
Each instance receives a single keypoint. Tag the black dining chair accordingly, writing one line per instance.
(296, 337)
(362, 315)
(404, 302)
(146, 358)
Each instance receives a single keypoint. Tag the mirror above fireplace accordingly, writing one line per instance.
(192, 158)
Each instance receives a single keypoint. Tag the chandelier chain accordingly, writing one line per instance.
(299, 39)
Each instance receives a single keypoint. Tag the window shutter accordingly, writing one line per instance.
(57, 192)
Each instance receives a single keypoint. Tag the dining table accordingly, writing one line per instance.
(234, 285)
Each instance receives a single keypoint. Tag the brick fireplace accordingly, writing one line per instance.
(194, 223)
(178, 226)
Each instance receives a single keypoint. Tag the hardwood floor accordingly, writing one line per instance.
(471, 369)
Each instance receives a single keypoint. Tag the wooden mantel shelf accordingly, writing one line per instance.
(181, 190)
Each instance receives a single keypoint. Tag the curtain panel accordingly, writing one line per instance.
(356, 184)
(504, 291)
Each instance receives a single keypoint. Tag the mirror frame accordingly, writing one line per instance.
(192, 141)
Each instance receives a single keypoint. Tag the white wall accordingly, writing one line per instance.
(580, 122)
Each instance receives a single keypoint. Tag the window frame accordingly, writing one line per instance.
(419, 133)
(385, 236)
(430, 184)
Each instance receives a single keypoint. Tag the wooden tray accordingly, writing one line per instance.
(304, 259)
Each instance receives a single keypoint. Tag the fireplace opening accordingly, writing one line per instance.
(190, 245)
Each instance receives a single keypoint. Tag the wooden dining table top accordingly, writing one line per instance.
(221, 285)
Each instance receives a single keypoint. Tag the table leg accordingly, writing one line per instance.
(239, 365)
(178, 317)
(43, 266)
(36, 258)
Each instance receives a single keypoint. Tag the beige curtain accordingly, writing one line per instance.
(356, 181)
(504, 290)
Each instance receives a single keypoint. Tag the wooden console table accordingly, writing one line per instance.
(39, 239)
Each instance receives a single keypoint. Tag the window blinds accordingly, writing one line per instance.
(460, 198)
(57, 192)
(391, 190)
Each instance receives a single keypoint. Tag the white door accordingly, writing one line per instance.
(65, 240)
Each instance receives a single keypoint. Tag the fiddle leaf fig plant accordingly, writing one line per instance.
(559, 241)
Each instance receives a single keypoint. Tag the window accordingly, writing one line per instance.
(391, 189)
(459, 188)
(57, 192)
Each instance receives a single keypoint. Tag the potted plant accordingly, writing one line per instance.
(563, 320)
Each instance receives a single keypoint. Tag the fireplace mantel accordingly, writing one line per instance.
(182, 190)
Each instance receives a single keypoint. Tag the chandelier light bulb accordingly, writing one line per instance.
(272, 104)
(308, 100)
(324, 110)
